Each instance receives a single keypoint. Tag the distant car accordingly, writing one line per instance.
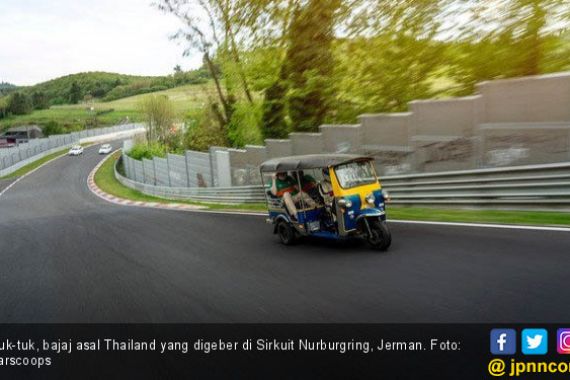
(76, 150)
(105, 149)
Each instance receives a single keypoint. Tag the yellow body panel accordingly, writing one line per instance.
(362, 191)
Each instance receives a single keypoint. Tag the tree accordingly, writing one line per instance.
(4, 104)
(510, 38)
(179, 75)
(39, 100)
(310, 63)
(274, 112)
(20, 104)
(202, 34)
(75, 93)
(159, 116)
(389, 57)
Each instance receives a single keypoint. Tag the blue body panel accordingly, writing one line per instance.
(352, 212)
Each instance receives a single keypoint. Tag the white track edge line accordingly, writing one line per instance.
(456, 224)
(18, 179)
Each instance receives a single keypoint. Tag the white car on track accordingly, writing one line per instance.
(105, 149)
(76, 150)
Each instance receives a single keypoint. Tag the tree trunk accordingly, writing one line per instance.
(223, 100)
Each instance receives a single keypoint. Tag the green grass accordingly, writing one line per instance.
(105, 179)
(480, 216)
(183, 98)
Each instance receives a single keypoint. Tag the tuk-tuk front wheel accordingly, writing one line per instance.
(380, 236)
(286, 232)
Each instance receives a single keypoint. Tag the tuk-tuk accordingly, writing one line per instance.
(334, 196)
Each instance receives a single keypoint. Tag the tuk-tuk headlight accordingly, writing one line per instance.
(345, 203)
(370, 199)
(386, 196)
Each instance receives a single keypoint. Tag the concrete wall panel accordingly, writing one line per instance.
(161, 171)
(306, 143)
(278, 148)
(530, 99)
(385, 129)
(341, 138)
(453, 117)
(177, 170)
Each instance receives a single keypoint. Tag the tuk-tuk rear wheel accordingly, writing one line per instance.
(286, 233)
(380, 237)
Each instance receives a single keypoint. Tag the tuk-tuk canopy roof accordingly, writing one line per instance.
(309, 161)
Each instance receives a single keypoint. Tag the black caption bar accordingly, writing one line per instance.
(410, 351)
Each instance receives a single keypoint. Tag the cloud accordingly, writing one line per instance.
(42, 40)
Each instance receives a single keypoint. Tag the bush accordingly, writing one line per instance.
(52, 128)
(147, 150)
(20, 104)
(203, 130)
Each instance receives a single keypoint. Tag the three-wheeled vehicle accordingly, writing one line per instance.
(335, 196)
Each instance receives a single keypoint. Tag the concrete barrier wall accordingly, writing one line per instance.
(199, 169)
(508, 122)
(453, 117)
(306, 143)
(385, 130)
(161, 171)
(544, 98)
(148, 171)
(177, 170)
(532, 143)
(341, 138)
(12, 159)
(278, 148)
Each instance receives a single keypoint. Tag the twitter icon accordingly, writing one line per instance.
(534, 341)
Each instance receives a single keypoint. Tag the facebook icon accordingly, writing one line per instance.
(503, 342)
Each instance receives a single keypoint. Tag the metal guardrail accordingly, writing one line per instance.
(519, 187)
(532, 186)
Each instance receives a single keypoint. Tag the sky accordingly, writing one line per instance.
(46, 39)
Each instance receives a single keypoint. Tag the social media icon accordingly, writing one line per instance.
(563, 341)
(534, 341)
(503, 342)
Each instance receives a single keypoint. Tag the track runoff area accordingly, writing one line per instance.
(122, 292)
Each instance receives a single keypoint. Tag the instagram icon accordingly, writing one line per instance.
(563, 343)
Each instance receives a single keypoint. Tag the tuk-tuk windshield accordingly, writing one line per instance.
(355, 173)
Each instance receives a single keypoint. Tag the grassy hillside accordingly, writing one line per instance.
(184, 98)
(96, 84)
(107, 86)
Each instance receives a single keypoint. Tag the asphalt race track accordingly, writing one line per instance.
(68, 256)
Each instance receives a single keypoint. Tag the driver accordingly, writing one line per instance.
(325, 188)
(284, 186)
(326, 192)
